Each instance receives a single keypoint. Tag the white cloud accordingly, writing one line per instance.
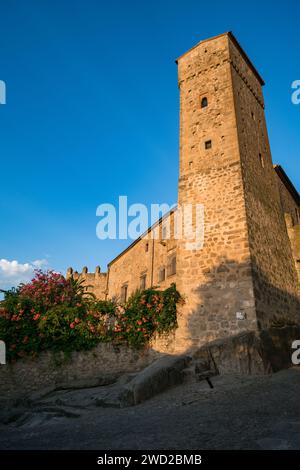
(39, 263)
(12, 273)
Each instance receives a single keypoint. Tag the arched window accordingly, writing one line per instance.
(204, 102)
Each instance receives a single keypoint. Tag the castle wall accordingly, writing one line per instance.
(216, 280)
(244, 276)
(145, 257)
(274, 274)
(291, 212)
(288, 203)
(294, 236)
(28, 378)
(93, 282)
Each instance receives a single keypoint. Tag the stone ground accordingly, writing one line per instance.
(240, 412)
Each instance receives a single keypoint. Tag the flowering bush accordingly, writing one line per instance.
(54, 313)
(145, 313)
(48, 289)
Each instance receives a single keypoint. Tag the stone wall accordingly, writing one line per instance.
(244, 277)
(51, 371)
(275, 280)
(216, 280)
(95, 283)
(246, 265)
(290, 207)
(251, 352)
(289, 202)
(145, 257)
(294, 236)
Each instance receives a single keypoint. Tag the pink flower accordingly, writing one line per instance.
(36, 316)
(72, 325)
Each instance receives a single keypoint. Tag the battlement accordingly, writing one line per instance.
(95, 282)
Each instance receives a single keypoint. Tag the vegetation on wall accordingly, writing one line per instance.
(55, 313)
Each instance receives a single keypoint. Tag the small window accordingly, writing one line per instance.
(143, 281)
(172, 266)
(165, 232)
(124, 292)
(162, 275)
(208, 145)
(147, 247)
(204, 102)
(261, 159)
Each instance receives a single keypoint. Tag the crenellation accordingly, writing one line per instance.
(95, 283)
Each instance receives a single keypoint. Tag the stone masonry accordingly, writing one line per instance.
(246, 275)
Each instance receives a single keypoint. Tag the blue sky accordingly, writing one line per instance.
(92, 111)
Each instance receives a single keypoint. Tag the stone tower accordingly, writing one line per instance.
(244, 278)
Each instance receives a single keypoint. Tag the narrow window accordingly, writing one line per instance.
(147, 247)
(204, 102)
(261, 160)
(208, 145)
(143, 281)
(124, 292)
(162, 274)
(172, 266)
(165, 232)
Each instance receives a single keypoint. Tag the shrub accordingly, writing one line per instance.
(54, 313)
(145, 313)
